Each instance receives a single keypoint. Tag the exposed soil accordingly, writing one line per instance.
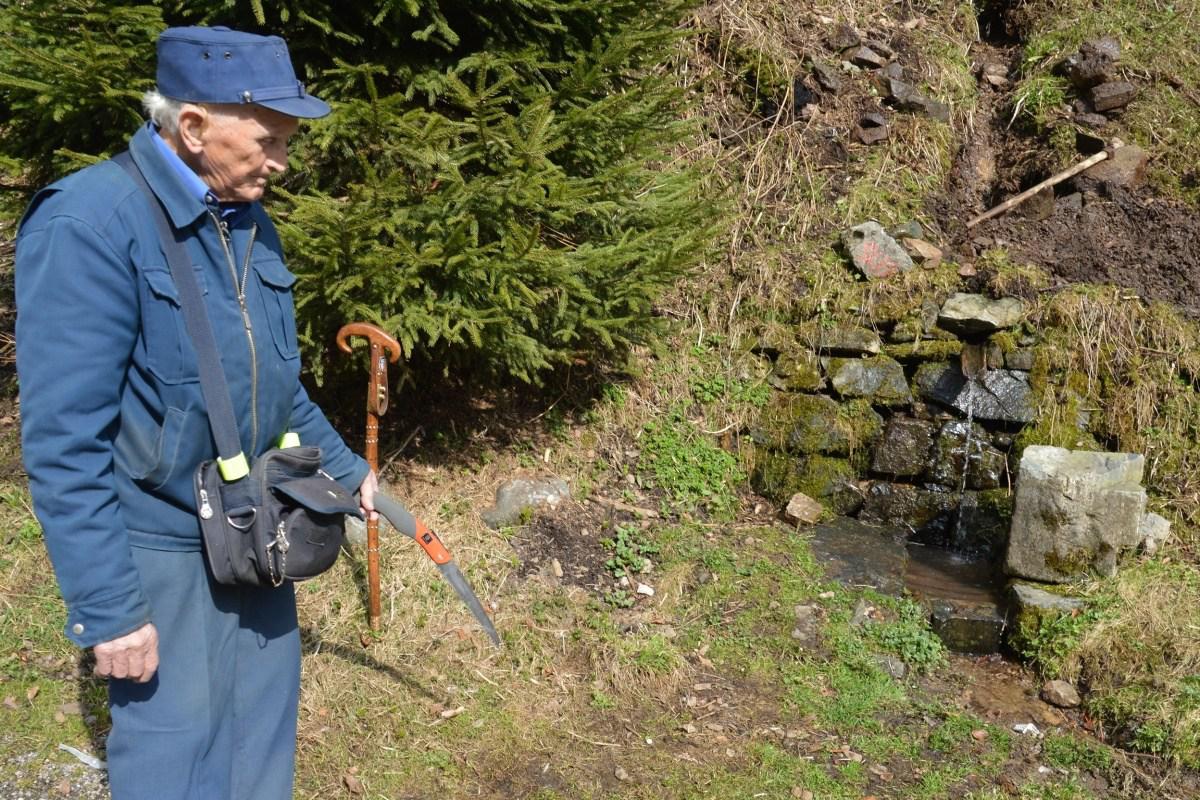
(1088, 233)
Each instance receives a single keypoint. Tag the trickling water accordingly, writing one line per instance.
(973, 364)
(957, 542)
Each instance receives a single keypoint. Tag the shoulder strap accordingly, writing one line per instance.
(231, 460)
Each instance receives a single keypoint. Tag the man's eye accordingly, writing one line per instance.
(267, 141)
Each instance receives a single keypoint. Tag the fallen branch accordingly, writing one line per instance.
(1053, 180)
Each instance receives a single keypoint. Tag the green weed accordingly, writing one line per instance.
(695, 473)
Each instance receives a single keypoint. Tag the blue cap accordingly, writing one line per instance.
(219, 65)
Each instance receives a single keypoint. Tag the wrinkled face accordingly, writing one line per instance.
(240, 148)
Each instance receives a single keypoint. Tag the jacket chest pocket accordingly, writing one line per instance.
(275, 294)
(169, 354)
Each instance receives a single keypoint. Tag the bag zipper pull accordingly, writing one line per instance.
(206, 511)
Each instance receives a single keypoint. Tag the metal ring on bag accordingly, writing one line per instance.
(246, 526)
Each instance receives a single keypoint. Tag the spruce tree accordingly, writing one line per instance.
(496, 187)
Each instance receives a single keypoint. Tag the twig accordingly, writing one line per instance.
(619, 506)
(589, 741)
(1046, 184)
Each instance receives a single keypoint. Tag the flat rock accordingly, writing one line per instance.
(968, 627)
(803, 510)
(516, 497)
(1113, 95)
(876, 254)
(859, 556)
(849, 341)
(879, 379)
(1075, 513)
(866, 58)
(923, 252)
(977, 315)
(1126, 168)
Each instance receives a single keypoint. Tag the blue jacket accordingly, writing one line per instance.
(112, 419)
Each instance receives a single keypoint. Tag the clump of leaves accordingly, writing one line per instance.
(630, 552)
(910, 637)
(694, 472)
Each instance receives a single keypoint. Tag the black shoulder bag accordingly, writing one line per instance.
(281, 518)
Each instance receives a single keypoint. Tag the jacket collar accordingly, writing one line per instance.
(181, 203)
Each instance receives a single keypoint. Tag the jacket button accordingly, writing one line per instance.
(77, 628)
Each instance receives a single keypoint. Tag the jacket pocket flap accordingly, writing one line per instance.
(318, 493)
(163, 284)
(273, 273)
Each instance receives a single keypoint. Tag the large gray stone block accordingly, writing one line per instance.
(1075, 513)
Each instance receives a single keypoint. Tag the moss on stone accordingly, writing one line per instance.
(1073, 563)
(831, 481)
(921, 350)
(776, 475)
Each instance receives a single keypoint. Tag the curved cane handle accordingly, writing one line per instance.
(383, 349)
(374, 334)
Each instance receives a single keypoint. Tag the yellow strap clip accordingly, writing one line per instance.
(289, 439)
(233, 469)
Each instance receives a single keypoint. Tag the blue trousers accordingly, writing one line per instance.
(218, 719)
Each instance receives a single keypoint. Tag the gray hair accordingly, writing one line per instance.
(162, 110)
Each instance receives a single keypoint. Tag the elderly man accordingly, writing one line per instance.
(203, 678)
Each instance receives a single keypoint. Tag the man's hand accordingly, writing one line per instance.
(366, 495)
(133, 656)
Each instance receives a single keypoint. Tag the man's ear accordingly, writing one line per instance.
(193, 124)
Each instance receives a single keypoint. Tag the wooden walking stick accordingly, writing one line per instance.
(383, 349)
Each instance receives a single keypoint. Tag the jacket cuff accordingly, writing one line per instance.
(106, 619)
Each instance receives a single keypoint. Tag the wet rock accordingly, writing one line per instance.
(968, 627)
(1154, 532)
(847, 341)
(827, 77)
(803, 510)
(858, 555)
(923, 252)
(879, 379)
(1114, 95)
(997, 395)
(903, 450)
(1075, 513)
(515, 498)
(876, 254)
(925, 513)
(797, 371)
(1125, 168)
(871, 129)
(1060, 694)
(843, 37)
(977, 315)
(963, 452)
(983, 522)
(866, 58)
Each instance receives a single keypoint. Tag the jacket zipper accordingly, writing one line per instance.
(223, 229)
